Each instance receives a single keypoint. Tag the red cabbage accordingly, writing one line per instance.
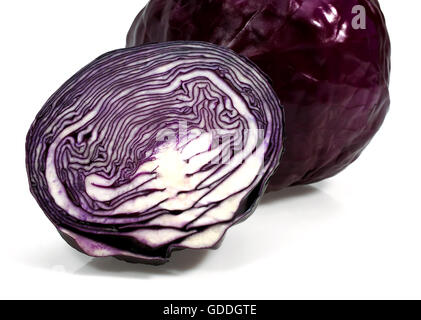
(329, 61)
(155, 148)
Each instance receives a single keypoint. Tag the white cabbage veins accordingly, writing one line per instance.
(155, 148)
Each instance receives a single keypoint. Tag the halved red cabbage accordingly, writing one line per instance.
(155, 148)
(329, 61)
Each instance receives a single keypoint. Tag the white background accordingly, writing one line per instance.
(357, 235)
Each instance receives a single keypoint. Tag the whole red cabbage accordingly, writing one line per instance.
(329, 67)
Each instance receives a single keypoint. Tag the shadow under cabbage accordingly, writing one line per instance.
(289, 193)
(287, 209)
(181, 262)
